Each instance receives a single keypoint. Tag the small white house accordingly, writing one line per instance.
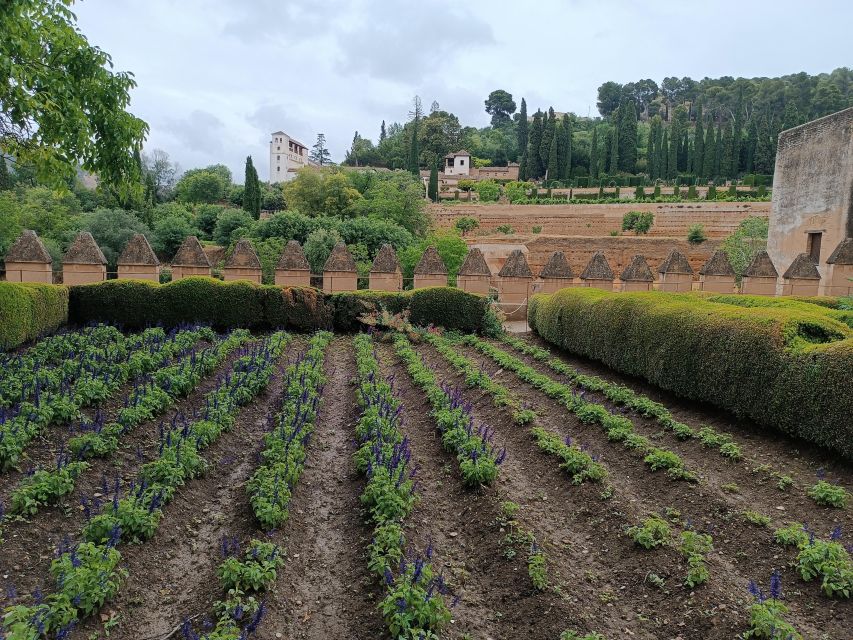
(457, 164)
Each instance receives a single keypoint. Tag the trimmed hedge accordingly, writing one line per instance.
(828, 307)
(785, 368)
(135, 303)
(29, 310)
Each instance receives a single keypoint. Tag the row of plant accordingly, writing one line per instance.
(283, 456)
(478, 458)
(87, 574)
(655, 532)
(147, 352)
(40, 365)
(823, 492)
(618, 427)
(147, 400)
(623, 396)
(828, 560)
(240, 612)
(518, 538)
(414, 602)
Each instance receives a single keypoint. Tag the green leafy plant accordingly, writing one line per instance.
(829, 495)
(756, 518)
(652, 533)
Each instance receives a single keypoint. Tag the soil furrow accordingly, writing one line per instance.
(324, 589)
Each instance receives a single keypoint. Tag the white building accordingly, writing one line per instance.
(287, 156)
(457, 164)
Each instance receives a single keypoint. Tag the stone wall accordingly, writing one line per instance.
(812, 188)
(672, 220)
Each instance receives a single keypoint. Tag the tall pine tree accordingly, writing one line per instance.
(552, 170)
(698, 144)
(663, 161)
(628, 137)
(727, 161)
(251, 190)
(549, 126)
(564, 150)
(613, 159)
(593, 153)
(535, 168)
(523, 130)
(432, 189)
(710, 153)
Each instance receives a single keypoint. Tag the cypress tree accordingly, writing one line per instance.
(698, 144)
(523, 173)
(651, 150)
(249, 188)
(593, 153)
(565, 160)
(719, 150)
(710, 153)
(549, 126)
(382, 134)
(663, 161)
(672, 157)
(5, 178)
(628, 137)
(553, 167)
(764, 156)
(726, 169)
(613, 166)
(523, 130)
(684, 151)
(535, 168)
(432, 189)
(750, 144)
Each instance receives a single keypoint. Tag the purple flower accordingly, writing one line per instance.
(776, 585)
(836, 533)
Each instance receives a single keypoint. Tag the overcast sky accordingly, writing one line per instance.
(216, 77)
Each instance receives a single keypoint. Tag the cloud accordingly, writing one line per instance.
(200, 131)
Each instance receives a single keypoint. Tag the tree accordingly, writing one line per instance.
(416, 114)
(628, 137)
(5, 178)
(749, 238)
(252, 190)
(696, 234)
(319, 153)
(663, 159)
(564, 148)
(112, 230)
(593, 153)
(169, 233)
(62, 106)
(500, 106)
(523, 130)
(613, 166)
(465, 224)
(552, 170)
(698, 144)
(432, 190)
(549, 125)
(229, 222)
(652, 152)
(710, 152)
(727, 162)
(200, 186)
(609, 97)
(382, 134)
(638, 221)
(162, 172)
(318, 246)
(764, 156)
(534, 162)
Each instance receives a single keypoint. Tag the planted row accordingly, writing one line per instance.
(283, 456)
(618, 427)
(478, 458)
(87, 575)
(413, 605)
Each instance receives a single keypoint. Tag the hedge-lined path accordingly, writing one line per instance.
(599, 573)
(172, 576)
(782, 452)
(742, 551)
(30, 543)
(324, 589)
(756, 488)
(496, 597)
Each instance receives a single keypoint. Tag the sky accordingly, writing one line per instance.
(216, 77)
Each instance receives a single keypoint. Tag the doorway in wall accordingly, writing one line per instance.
(813, 246)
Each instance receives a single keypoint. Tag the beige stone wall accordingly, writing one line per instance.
(800, 287)
(717, 284)
(139, 272)
(292, 278)
(634, 285)
(473, 284)
(430, 280)
(672, 220)
(514, 290)
(335, 281)
(675, 282)
(73, 274)
(812, 188)
(179, 272)
(758, 286)
(550, 285)
(29, 272)
(606, 285)
(230, 274)
(385, 281)
(839, 279)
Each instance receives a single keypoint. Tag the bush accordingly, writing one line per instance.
(488, 190)
(638, 221)
(225, 305)
(29, 310)
(696, 234)
(785, 368)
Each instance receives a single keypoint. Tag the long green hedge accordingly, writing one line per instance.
(785, 368)
(28, 311)
(136, 303)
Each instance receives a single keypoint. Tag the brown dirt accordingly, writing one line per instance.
(324, 589)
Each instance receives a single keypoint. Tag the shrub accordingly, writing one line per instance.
(488, 190)
(29, 310)
(696, 234)
(638, 221)
(784, 368)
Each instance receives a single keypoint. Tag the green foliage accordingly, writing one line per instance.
(756, 518)
(766, 621)
(652, 533)
(464, 224)
(169, 234)
(757, 362)
(829, 495)
(638, 221)
(695, 546)
(112, 229)
(487, 190)
(229, 222)
(574, 635)
(450, 246)
(537, 567)
(505, 228)
(749, 238)
(696, 233)
(318, 247)
(45, 487)
(257, 570)
(202, 185)
(28, 311)
(71, 111)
